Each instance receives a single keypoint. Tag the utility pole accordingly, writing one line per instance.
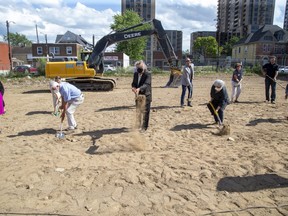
(9, 48)
(37, 34)
(218, 52)
(219, 38)
(46, 45)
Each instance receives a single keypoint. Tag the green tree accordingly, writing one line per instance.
(227, 48)
(134, 48)
(206, 46)
(17, 39)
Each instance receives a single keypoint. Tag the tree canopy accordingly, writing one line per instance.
(227, 48)
(206, 46)
(17, 39)
(134, 48)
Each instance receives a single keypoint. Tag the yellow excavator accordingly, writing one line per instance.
(87, 74)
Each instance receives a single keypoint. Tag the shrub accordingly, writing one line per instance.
(41, 67)
(256, 69)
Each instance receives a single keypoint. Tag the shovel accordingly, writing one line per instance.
(275, 81)
(60, 134)
(216, 113)
(225, 129)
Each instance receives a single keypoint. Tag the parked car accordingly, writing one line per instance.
(109, 68)
(283, 70)
(25, 69)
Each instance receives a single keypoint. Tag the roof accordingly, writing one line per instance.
(266, 33)
(70, 37)
(21, 50)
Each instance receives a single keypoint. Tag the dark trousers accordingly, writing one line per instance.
(190, 91)
(146, 116)
(220, 112)
(268, 83)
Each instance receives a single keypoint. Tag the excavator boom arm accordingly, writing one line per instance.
(96, 58)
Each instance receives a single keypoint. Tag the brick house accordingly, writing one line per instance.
(257, 47)
(67, 46)
(4, 58)
(22, 55)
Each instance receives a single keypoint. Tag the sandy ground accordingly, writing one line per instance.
(178, 167)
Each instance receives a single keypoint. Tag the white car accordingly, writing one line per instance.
(109, 68)
(283, 70)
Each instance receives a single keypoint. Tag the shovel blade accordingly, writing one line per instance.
(224, 129)
(60, 135)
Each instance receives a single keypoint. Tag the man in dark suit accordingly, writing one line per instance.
(141, 85)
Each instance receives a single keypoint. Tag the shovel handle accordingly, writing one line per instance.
(61, 126)
(216, 113)
(275, 81)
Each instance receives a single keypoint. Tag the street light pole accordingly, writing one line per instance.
(218, 52)
(9, 48)
(217, 37)
(46, 44)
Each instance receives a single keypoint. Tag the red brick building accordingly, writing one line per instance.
(4, 58)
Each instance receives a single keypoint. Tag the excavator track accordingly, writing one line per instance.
(93, 84)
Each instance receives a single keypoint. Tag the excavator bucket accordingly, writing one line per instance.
(176, 77)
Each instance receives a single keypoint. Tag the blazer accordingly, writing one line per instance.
(144, 84)
(187, 75)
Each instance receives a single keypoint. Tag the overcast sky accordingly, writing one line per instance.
(88, 17)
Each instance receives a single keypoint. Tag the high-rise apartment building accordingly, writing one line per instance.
(146, 10)
(242, 17)
(285, 24)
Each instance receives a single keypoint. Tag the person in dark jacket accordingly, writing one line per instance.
(270, 71)
(2, 94)
(141, 85)
(219, 99)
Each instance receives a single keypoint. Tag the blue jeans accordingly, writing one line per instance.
(268, 83)
(190, 91)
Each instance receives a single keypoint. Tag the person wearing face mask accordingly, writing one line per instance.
(219, 99)
(141, 85)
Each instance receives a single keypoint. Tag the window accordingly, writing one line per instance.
(57, 50)
(54, 50)
(268, 38)
(69, 50)
(39, 50)
(264, 48)
(246, 49)
(268, 48)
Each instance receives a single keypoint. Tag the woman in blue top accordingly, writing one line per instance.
(236, 82)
